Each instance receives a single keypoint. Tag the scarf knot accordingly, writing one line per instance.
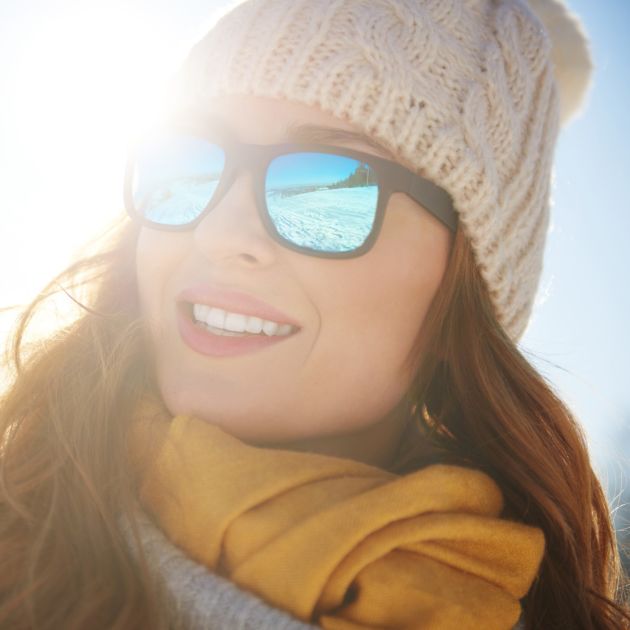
(337, 542)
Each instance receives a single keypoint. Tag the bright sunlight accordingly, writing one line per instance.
(80, 84)
(81, 81)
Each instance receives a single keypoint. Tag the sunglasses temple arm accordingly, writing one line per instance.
(434, 199)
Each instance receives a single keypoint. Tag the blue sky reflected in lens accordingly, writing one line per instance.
(309, 169)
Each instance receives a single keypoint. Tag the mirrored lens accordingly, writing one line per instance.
(320, 201)
(175, 177)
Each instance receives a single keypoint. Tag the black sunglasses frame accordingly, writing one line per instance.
(390, 177)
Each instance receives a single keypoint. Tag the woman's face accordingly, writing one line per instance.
(334, 385)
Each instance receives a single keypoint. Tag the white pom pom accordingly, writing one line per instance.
(570, 53)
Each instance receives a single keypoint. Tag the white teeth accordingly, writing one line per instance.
(235, 322)
(254, 325)
(216, 318)
(270, 328)
(201, 312)
(225, 322)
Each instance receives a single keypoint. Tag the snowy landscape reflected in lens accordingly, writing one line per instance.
(175, 177)
(323, 202)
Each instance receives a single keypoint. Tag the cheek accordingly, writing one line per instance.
(373, 330)
(158, 253)
(377, 303)
(371, 310)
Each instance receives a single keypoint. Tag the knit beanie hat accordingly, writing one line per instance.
(463, 92)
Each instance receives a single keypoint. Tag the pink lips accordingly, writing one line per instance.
(201, 340)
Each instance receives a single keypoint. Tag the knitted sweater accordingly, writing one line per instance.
(197, 599)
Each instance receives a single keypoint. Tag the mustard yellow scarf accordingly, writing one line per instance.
(336, 542)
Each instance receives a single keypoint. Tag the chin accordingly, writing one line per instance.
(244, 424)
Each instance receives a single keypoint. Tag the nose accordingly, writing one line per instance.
(232, 232)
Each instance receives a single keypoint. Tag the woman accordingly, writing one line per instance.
(293, 394)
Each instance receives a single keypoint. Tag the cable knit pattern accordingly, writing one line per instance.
(462, 91)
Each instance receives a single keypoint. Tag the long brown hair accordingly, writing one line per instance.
(65, 479)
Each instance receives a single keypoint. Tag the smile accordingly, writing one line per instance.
(230, 324)
(215, 332)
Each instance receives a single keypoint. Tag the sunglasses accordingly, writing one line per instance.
(319, 200)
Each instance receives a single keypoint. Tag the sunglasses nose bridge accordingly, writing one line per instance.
(247, 157)
(246, 165)
(231, 228)
(249, 161)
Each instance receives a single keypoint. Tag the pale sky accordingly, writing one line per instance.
(77, 76)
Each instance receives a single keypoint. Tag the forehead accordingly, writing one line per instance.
(259, 120)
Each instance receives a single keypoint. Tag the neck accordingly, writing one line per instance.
(376, 444)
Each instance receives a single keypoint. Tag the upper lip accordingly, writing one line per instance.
(234, 301)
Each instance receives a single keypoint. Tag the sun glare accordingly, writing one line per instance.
(79, 83)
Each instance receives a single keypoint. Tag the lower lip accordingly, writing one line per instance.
(204, 342)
